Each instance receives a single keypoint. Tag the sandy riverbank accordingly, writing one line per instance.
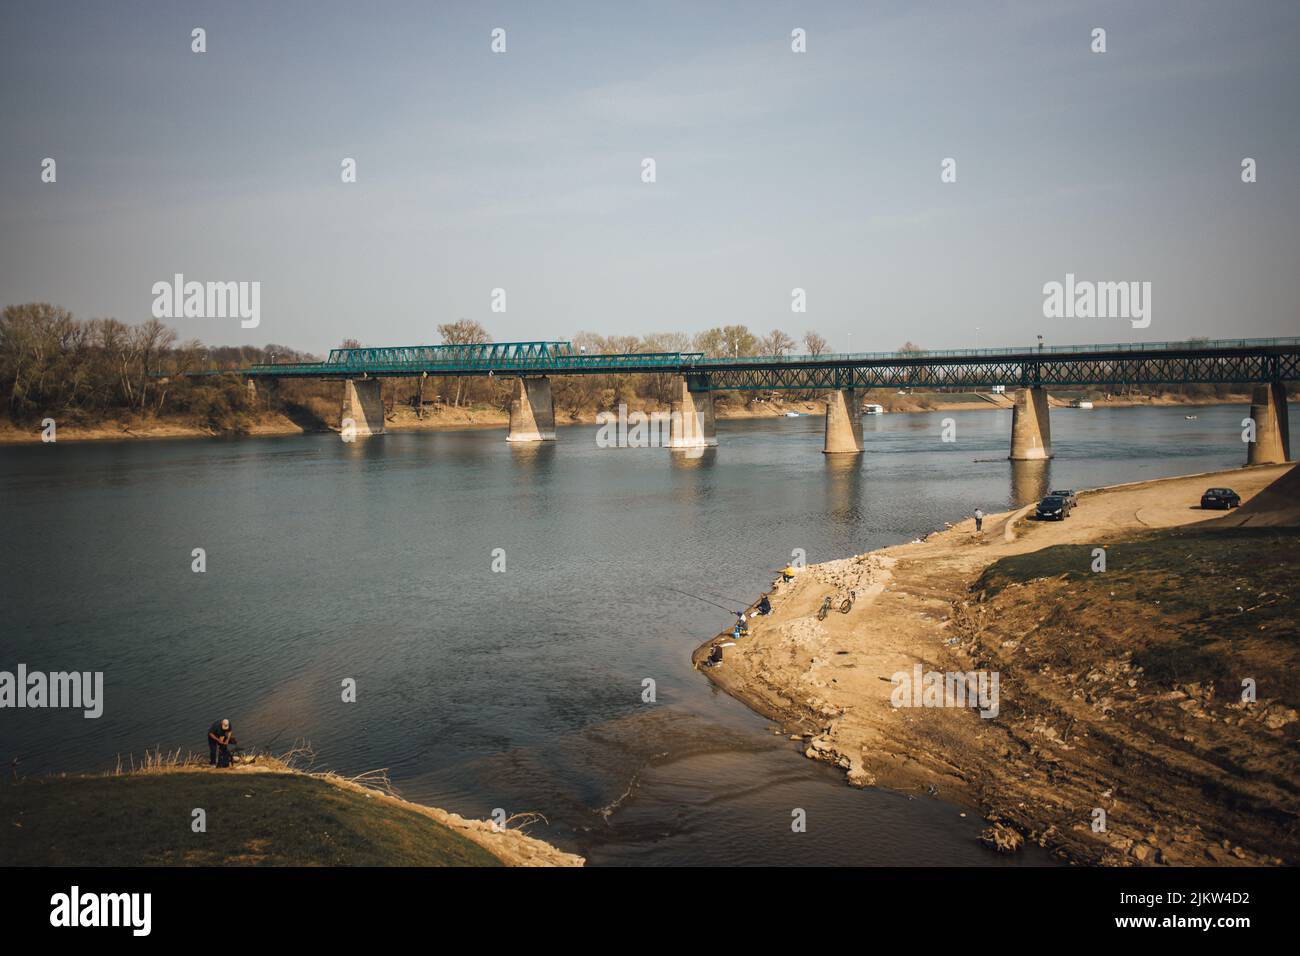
(401, 418)
(1120, 691)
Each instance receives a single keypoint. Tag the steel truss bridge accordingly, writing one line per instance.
(1060, 366)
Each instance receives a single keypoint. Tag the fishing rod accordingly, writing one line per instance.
(728, 597)
(267, 746)
(698, 598)
(744, 602)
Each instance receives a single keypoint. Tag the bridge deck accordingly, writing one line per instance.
(1201, 361)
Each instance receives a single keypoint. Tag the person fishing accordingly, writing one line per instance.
(979, 519)
(715, 656)
(787, 573)
(741, 627)
(220, 736)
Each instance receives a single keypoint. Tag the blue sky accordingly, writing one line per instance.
(775, 170)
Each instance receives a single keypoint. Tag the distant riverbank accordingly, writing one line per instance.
(1119, 686)
(447, 418)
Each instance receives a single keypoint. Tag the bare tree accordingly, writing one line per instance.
(660, 383)
(463, 332)
(776, 342)
(711, 342)
(814, 343)
(739, 341)
(152, 341)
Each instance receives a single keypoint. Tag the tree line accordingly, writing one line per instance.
(53, 364)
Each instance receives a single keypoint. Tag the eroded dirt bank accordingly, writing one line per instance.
(1120, 691)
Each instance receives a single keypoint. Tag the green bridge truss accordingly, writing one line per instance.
(498, 358)
(1141, 363)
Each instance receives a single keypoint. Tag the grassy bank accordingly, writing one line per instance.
(261, 815)
(1126, 688)
(1181, 619)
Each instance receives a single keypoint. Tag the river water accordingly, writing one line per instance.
(523, 689)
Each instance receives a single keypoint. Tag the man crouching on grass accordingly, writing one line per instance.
(220, 736)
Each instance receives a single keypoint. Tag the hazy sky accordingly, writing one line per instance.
(775, 170)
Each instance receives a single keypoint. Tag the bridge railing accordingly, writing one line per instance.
(632, 360)
(1004, 352)
(422, 359)
(559, 357)
(483, 353)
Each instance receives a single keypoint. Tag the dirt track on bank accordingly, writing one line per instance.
(1119, 690)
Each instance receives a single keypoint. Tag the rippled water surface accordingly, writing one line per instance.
(520, 690)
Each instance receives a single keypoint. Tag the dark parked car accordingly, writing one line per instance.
(1220, 498)
(1071, 496)
(1054, 508)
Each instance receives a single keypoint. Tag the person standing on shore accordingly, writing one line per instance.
(220, 736)
(979, 519)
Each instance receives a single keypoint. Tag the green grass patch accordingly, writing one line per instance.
(1193, 604)
(252, 819)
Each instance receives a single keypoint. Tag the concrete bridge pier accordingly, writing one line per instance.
(1031, 429)
(843, 423)
(532, 410)
(1272, 444)
(363, 406)
(261, 390)
(691, 423)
